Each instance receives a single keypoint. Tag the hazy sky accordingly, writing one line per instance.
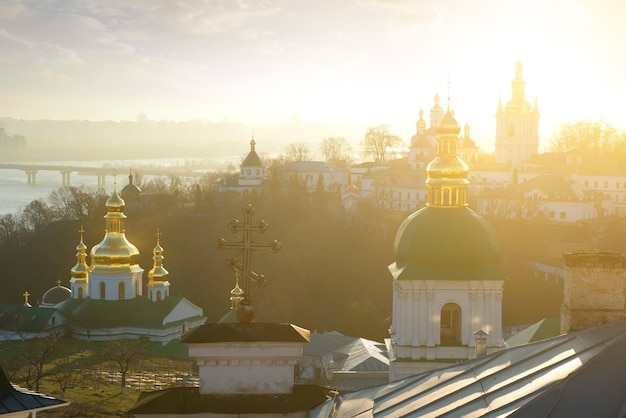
(257, 62)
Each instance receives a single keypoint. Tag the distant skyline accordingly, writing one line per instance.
(349, 61)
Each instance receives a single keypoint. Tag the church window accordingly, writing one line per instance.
(80, 293)
(562, 215)
(102, 290)
(158, 295)
(511, 131)
(450, 328)
(121, 289)
(258, 171)
(248, 172)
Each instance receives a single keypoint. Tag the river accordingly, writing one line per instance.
(16, 193)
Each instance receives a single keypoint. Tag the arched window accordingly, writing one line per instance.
(158, 295)
(103, 289)
(121, 288)
(80, 293)
(450, 324)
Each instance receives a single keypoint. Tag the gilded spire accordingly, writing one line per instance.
(79, 271)
(115, 253)
(236, 295)
(447, 173)
(158, 272)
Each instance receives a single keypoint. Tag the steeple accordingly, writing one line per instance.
(114, 252)
(446, 181)
(518, 101)
(236, 295)
(436, 112)
(80, 271)
(158, 272)
(158, 286)
(421, 124)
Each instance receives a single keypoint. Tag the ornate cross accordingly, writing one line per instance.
(245, 246)
(26, 295)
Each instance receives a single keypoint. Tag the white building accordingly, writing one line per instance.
(517, 124)
(107, 299)
(446, 282)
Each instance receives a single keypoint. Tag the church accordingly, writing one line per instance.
(105, 300)
(447, 286)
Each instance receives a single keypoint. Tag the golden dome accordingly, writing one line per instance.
(447, 173)
(114, 253)
(79, 271)
(158, 272)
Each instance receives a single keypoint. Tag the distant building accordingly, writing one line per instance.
(517, 124)
(251, 177)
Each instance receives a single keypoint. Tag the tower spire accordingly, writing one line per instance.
(446, 181)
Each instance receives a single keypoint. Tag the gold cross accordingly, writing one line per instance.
(59, 282)
(26, 295)
(246, 245)
(158, 235)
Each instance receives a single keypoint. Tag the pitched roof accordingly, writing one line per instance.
(139, 312)
(15, 399)
(252, 332)
(350, 354)
(577, 374)
(252, 160)
(188, 400)
(544, 329)
(24, 319)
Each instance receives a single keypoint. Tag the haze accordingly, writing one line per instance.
(259, 63)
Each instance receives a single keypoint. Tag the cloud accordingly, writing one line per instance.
(11, 10)
(15, 39)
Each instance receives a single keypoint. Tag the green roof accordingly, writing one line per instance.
(137, 312)
(542, 330)
(24, 319)
(446, 244)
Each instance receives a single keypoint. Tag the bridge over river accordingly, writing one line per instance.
(31, 170)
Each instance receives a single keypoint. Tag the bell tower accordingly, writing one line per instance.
(517, 125)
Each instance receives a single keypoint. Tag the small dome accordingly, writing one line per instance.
(115, 203)
(131, 190)
(446, 244)
(448, 125)
(56, 295)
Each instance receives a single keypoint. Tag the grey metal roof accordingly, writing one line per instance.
(351, 354)
(15, 399)
(577, 374)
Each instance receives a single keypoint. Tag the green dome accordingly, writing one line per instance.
(446, 244)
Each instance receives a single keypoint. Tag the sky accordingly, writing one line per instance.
(262, 62)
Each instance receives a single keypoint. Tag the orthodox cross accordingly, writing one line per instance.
(59, 282)
(26, 295)
(245, 246)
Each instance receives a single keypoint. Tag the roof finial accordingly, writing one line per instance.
(26, 295)
(448, 109)
(158, 235)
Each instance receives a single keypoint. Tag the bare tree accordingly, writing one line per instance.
(592, 138)
(378, 141)
(125, 354)
(336, 150)
(37, 352)
(67, 374)
(298, 151)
